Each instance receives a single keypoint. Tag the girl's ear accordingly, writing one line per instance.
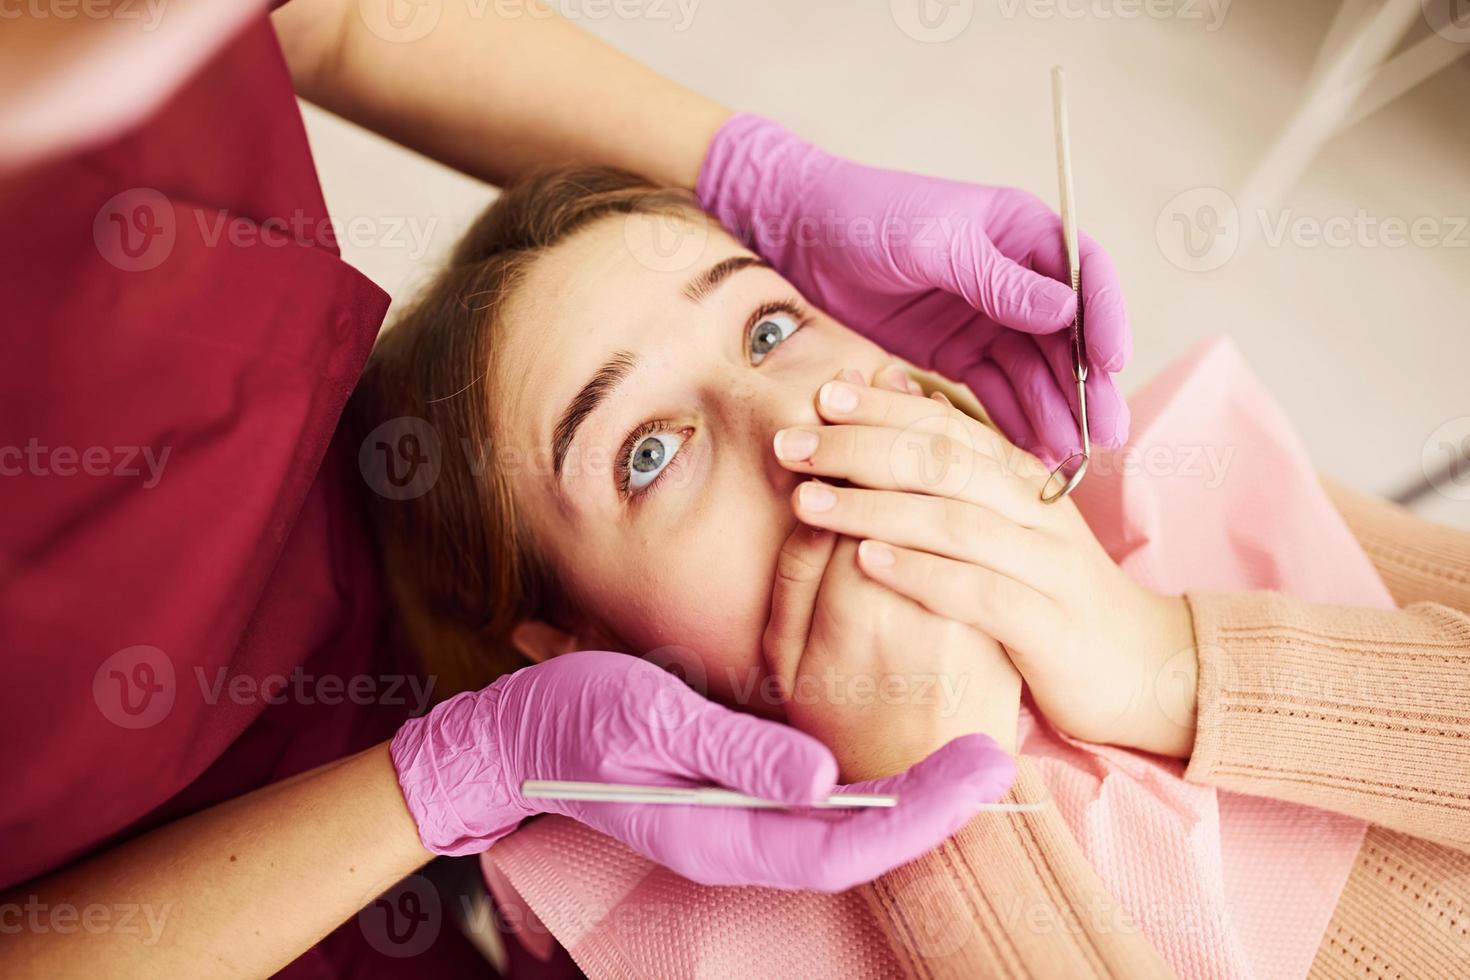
(540, 641)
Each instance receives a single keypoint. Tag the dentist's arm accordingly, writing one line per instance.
(496, 90)
(961, 278)
(247, 886)
(240, 889)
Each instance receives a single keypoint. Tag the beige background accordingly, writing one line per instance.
(1366, 345)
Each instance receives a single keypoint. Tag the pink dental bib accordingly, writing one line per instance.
(1214, 491)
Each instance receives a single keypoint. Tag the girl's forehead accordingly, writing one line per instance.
(599, 291)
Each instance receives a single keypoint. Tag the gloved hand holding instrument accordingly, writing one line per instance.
(610, 717)
(970, 281)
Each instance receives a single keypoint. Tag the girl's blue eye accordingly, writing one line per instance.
(649, 457)
(769, 331)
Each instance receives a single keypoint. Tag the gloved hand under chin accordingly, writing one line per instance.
(960, 278)
(612, 717)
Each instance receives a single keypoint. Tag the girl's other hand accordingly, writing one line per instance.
(878, 678)
(949, 514)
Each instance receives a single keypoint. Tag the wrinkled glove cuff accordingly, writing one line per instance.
(454, 776)
(753, 181)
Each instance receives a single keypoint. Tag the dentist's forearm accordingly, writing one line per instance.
(498, 90)
(240, 889)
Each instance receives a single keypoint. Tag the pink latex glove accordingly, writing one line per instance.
(612, 717)
(959, 278)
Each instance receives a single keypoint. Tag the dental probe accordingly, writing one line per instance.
(556, 789)
(1066, 484)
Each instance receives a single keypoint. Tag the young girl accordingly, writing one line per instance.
(668, 452)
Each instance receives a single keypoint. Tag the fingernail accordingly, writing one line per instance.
(940, 397)
(896, 377)
(793, 444)
(837, 397)
(817, 497)
(875, 554)
(903, 381)
(852, 376)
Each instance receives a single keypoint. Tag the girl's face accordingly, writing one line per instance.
(637, 397)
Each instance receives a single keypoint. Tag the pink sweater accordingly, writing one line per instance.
(1391, 744)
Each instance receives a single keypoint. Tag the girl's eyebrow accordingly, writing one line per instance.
(593, 394)
(621, 364)
(706, 282)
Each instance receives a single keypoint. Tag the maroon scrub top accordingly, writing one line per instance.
(189, 606)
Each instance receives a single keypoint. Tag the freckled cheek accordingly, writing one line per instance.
(711, 598)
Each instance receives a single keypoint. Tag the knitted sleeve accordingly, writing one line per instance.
(1360, 711)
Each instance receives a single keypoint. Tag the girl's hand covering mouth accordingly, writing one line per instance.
(949, 514)
(877, 676)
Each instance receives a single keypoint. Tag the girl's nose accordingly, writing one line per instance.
(759, 407)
